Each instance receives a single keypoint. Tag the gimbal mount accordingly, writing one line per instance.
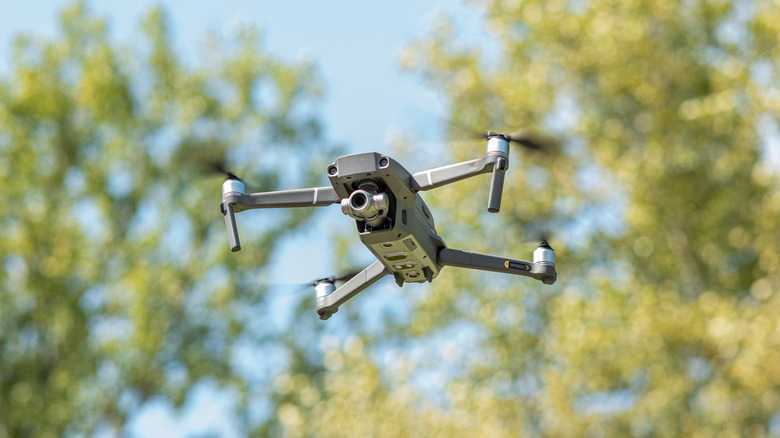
(392, 219)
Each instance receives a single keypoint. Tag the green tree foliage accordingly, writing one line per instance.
(659, 195)
(663, 206)
(117, 284)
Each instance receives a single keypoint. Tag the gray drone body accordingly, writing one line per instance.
(402, 234)
(392, 219)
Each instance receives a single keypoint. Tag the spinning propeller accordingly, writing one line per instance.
(322, 284)
(217, 167)
(516, 137)
(332, 279)
(346, 277)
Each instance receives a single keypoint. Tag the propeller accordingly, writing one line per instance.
(257, 183)
(515, 137)
(519, 137)
(537, 233)
(297, 288)
(217, 167)
(345, 277)
(333, 278)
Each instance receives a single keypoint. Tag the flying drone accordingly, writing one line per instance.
(392, 219)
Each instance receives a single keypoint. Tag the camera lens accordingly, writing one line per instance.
(359, 200)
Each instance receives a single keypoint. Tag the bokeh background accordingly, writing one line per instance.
(123, 312)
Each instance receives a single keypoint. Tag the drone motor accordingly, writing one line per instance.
(323, 288)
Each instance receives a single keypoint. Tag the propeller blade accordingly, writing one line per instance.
(217, 167)
(537, 233)
(519, 138)
(346, 277)
(528, 143)
(515, 137)
(334, 278)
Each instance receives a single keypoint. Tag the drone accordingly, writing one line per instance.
(392, 219)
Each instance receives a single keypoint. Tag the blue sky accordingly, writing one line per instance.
(354, 43)
(369, 102)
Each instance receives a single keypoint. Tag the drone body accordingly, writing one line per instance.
(392, 219)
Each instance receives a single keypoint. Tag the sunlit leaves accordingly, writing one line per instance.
(117, 284)
(661, 323)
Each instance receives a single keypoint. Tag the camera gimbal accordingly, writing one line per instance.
(392, 219)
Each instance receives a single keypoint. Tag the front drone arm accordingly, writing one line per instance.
(496, 160)
(311, 197)
(234, 201)
(440, 176)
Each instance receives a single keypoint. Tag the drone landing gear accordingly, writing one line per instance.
(329, 304)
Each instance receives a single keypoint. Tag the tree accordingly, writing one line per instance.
(117, 282)
(664, 204)
(660, 196)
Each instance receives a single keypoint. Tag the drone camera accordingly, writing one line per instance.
(365, 206)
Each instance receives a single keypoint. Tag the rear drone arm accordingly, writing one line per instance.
(234, 201)
(329, 298)
(496, 160)
(542, 268)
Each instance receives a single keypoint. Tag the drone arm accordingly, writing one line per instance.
(311, 197)
(497, 164)
(328, 305)
(483, 262)
(235, 201)
(433, 178)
